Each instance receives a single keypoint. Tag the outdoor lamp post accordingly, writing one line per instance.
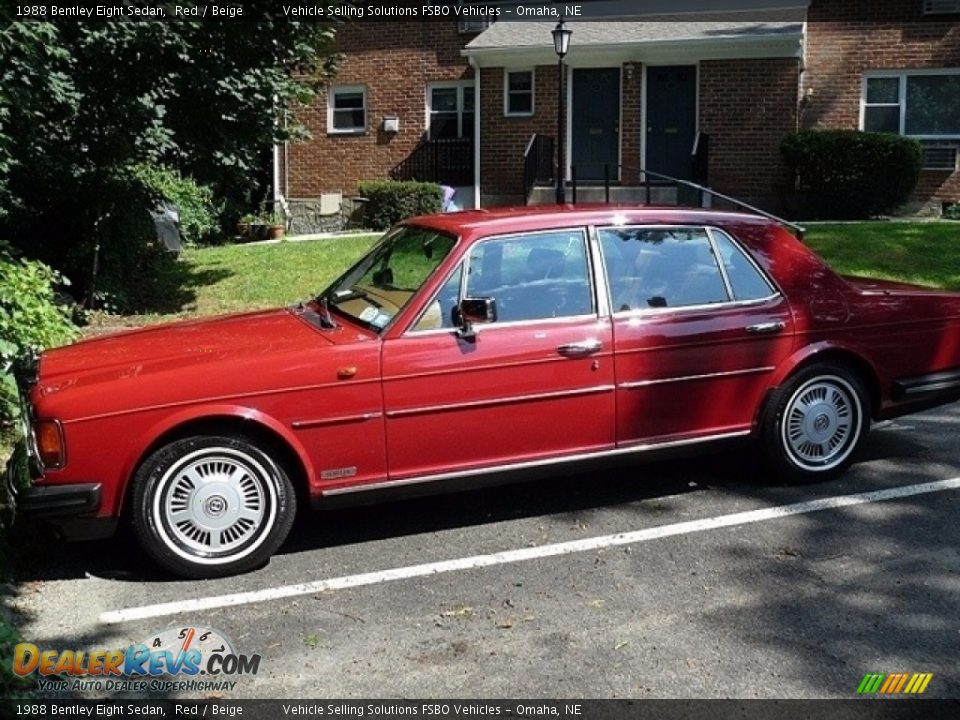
(561, 44)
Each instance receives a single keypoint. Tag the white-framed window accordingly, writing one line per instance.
(923, 104)
(518, 93)
(450, 110)
(347, 109)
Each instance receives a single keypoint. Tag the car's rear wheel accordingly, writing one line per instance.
(210, 506)
(815, 422)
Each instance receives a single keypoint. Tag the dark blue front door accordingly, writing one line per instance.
(671, 119)
(595, 123)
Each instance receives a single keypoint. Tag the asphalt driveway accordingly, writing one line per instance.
(673, 579)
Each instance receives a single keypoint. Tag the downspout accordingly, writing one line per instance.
(279, 199)
(477, 114)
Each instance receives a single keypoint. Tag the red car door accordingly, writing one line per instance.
(694, 339)
(536, 383)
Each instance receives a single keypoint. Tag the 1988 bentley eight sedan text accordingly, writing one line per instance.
(477, 346)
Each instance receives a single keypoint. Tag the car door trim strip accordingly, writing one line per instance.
(508, 400)
(306, 424)
(685, 378)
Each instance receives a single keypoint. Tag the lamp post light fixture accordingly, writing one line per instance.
(561, 44)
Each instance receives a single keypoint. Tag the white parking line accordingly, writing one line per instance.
(532, 553)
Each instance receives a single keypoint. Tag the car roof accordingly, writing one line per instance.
(479, 223)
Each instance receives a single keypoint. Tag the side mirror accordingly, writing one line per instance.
(475, 311)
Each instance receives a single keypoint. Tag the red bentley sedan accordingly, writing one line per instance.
(472, 347)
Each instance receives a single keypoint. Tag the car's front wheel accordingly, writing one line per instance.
(209, 506)
(815, 423)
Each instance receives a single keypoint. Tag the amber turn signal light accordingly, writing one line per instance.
(50, 444)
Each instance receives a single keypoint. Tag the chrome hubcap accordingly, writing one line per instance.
(821, 423)
(215, 503)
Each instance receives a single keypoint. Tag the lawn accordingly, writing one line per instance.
(231, 278)
(927, 253)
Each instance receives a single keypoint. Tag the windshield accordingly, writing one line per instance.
(380, 285)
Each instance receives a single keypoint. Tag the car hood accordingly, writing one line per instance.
(175, 345)
(213, 360)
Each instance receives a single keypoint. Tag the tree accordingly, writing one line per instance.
(82, 104)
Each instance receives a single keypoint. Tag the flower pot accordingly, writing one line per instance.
(243, 229)
(276, 232)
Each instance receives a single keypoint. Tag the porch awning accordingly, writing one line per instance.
(654, 40)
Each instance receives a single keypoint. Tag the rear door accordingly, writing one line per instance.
(694, 338)
(536, 383)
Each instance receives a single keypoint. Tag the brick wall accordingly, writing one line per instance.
(503, 139)
(845, 38)
(747, 107)
(630, 126)
(395, 62)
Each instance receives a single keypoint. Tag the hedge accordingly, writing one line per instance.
(852, 175)
(29, 318)
(389, 201)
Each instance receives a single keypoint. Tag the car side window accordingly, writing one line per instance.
(533, 277)
(746, 281)
(439, 312)
(660, 267)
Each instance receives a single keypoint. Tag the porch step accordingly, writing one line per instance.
(596, 194)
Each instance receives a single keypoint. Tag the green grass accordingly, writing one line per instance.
(926, 253)
(258, 276)
(232, 278)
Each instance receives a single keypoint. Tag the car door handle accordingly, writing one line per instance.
(766, 328)
(584, 347)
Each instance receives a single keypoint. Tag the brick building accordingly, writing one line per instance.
(703, 97)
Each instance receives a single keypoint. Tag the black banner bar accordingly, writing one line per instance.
(855, 709)
(406, 10)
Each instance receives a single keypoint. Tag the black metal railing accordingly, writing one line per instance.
(448, 161)
(698, 192)
(538, 163)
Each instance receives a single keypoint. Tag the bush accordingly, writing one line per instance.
(390, 201)
(852, 175)
(198, 210)
(29, 318)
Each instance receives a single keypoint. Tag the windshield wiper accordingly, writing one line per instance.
(326, 318)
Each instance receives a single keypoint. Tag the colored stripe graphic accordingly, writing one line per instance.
(894, 683)
(870, 683)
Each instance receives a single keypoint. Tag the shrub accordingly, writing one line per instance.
(198, 209)
(29, 318)
(389, 201)
(847, 174)
(952, 212)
